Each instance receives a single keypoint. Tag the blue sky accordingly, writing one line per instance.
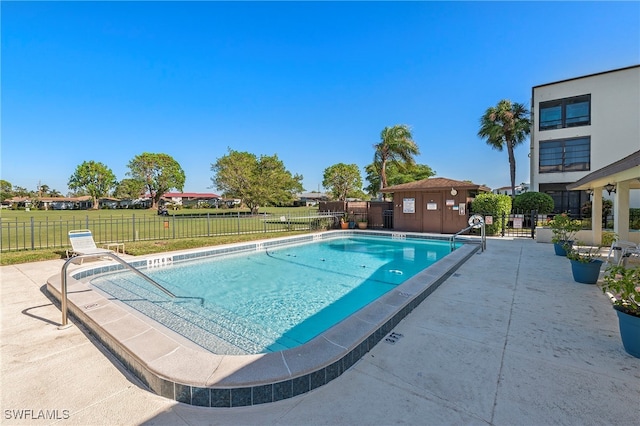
(313, 82)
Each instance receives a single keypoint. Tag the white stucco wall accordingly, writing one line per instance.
(615, 121)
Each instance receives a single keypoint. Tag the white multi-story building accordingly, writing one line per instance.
(506, 190)
(582, 125)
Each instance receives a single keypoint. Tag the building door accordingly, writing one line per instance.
(433, 209)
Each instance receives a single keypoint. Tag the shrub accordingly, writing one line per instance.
(564, 228)
(607, 206)
(539, 201)
(634, 218)
(624, 285)
(492, 205)
(608, 238)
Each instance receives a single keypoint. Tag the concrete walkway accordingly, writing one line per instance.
(510, 339)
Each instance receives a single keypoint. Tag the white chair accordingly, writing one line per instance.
(82, 242)
(621, 251)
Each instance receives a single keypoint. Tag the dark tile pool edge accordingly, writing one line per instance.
(256, 394)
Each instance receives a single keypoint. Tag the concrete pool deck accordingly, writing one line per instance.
(509, 339)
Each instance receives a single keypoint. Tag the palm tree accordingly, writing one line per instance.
(506, 124)
(396, 146)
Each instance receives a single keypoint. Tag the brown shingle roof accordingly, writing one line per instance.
(190, 195)
(436, 183)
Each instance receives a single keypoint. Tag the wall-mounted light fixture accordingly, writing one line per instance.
(610, 188)
(589, 192)
(454, 192)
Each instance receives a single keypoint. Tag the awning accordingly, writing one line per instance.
(627, 169)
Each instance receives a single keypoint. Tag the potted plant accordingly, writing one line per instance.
(564, 230)
(585, 262)
(344, 221)
(362, 223)
(608, 238)
(623, 287)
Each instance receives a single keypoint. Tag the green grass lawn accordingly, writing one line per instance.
(40, 235)
(141, 248)
(81, 215)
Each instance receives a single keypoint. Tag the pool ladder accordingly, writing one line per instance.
(63, 280)
(483, 240)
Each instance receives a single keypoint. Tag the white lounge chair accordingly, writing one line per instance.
(82, 243)
(621, 251)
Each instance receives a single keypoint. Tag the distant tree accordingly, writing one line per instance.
(396, 175)
(506, 125)
(159, 172)
(396, 146)
(256, 181)
(20, 191)
(587, 207)
(80, 192)
(342, 180)
(43, 190)
(130, 189)
(5, 189)
(94, 178)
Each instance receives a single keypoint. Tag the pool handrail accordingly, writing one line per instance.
(63, 281)
(483, 237)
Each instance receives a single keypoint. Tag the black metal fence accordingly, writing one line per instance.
(31, 234)
(521, 224)
(607, 220)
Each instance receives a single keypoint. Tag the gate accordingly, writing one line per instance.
(520, 224)
(387, 219)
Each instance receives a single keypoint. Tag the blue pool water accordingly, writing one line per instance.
(274, 299)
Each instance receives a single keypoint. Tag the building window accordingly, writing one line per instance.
(564, 201)
(568, 112)
(565, 155)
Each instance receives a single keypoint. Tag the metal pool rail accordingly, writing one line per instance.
(63, 280)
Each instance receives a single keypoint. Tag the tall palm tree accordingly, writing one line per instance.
(506, 124)
(396, 145)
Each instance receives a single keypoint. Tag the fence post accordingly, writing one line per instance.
(534, 220)
(133, 226)
(32, 234)
(238, 215)
(504, 220)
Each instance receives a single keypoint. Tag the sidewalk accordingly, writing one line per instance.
(509, 339)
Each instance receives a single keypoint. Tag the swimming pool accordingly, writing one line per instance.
(175, 367)
(273, 299)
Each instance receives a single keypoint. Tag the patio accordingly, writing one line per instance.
(509, 339)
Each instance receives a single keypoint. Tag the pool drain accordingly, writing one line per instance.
(393, 338)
